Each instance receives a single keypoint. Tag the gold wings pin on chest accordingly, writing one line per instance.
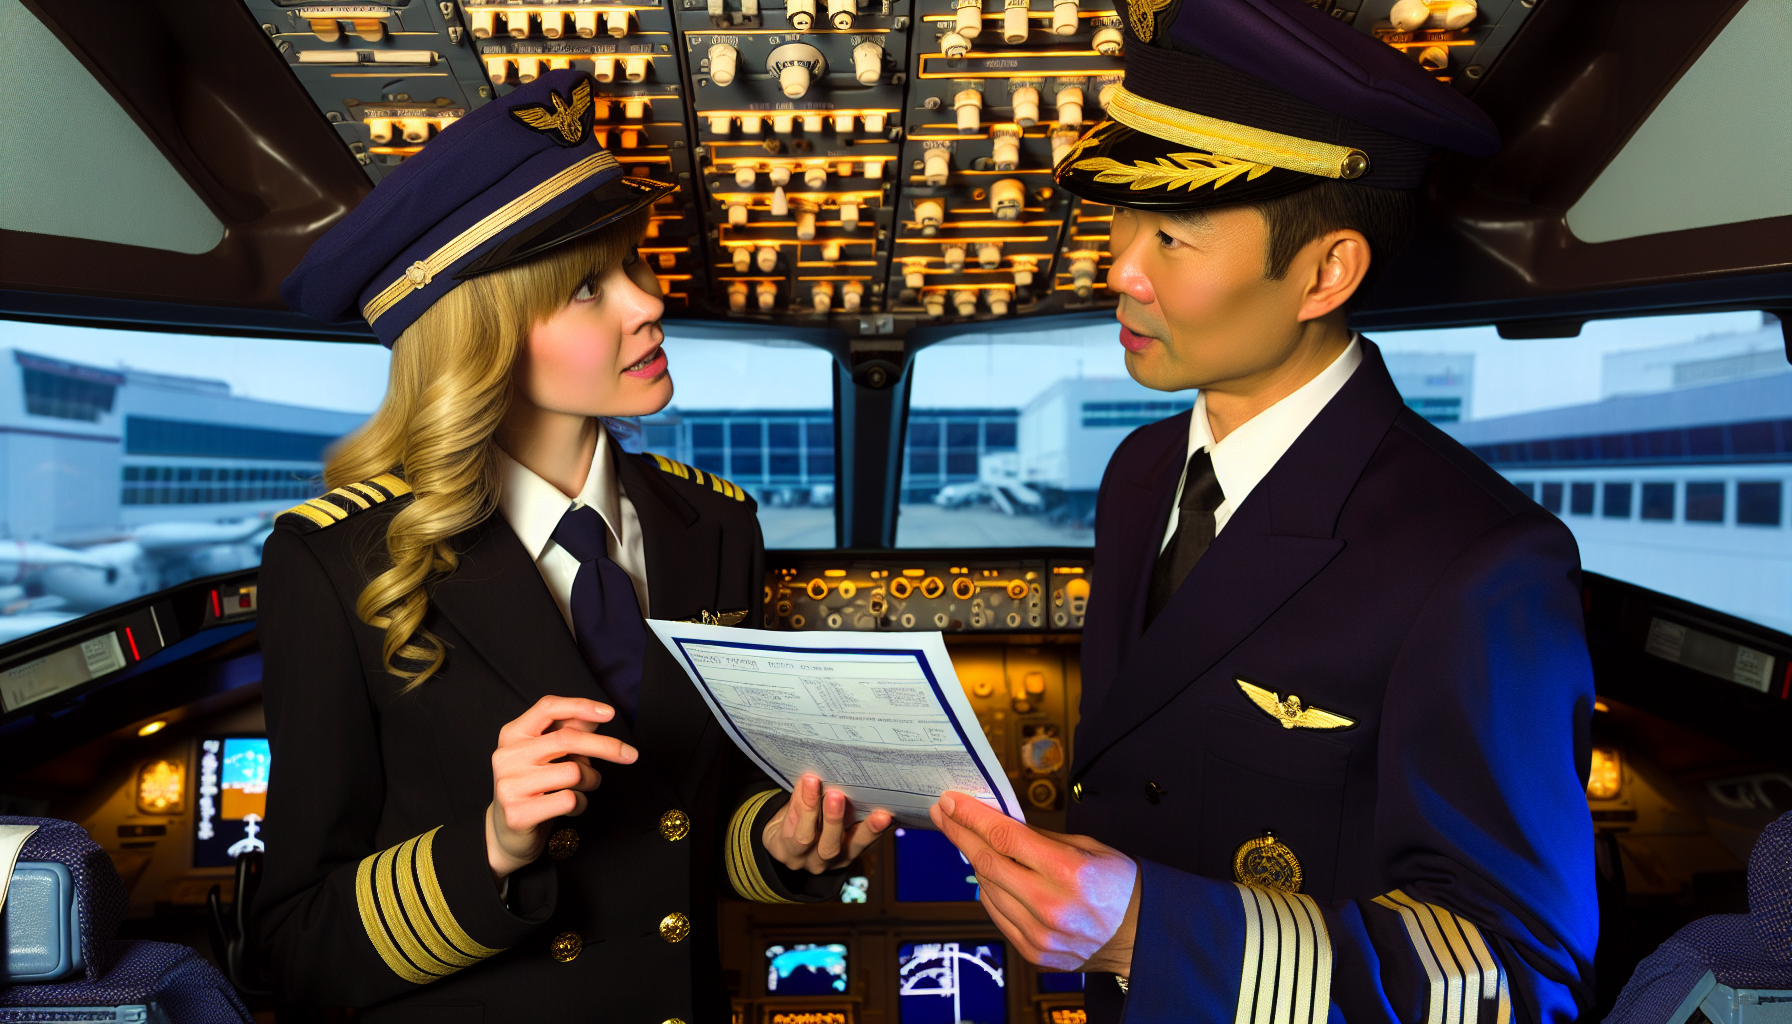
(564, 124)
(1290, 712)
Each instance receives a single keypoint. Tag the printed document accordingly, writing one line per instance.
(879, 716)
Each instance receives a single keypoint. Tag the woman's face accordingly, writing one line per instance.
(600, 355)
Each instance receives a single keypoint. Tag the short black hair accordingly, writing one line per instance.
(1386, 217)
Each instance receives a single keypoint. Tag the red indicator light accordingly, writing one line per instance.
(133, 642)
(1786, 684)
(217, 610)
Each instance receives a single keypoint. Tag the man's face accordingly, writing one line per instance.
(1195, 307)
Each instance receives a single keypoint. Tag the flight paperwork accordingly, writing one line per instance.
(879, 716)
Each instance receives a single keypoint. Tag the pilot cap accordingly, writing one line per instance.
(513, 179)
(1239, 101)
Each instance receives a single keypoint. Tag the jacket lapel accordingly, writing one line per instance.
(1281, 537)
(501, 607)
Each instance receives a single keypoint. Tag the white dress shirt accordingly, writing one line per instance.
(533, 508)
(1248, 453)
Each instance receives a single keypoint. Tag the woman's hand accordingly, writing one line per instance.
(811, 834)
(542, 771)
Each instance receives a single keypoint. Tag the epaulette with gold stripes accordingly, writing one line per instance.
(700, 478)
(328, 509)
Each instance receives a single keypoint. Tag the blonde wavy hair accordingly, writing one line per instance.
(451, 383)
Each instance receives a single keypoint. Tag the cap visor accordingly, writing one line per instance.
(599, 208)
(1117, 165)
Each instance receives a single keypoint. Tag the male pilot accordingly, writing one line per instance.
(1336, 693)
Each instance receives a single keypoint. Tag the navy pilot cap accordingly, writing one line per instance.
(1240, 101)
(513, 179)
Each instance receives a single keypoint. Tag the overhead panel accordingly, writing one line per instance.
(863, 164)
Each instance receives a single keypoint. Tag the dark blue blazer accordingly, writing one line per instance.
(1383, 573)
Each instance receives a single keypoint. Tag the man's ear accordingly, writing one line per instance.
(1333, 267)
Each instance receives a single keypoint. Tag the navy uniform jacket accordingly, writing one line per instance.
(1384, 574)
(377, 892)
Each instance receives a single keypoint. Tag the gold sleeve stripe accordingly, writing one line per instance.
(373, 494)
(392, 485)
(437, 902)
(403, 931)
(417, 911)
(1286, 975)
(375, 924)
(320, 518)
(741, 860)
(1466, 979)
(353, 496)
(335, 512)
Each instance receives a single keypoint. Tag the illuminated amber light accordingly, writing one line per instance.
(810, 1017)
(162, 787)
(1607, 776)
(1070, 1017)
(152, 728)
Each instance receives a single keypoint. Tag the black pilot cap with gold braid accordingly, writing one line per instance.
(511, 180)
(1239, 101)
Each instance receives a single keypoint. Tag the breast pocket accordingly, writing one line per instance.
(1258, 777)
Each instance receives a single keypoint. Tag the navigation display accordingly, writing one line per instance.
(233, 799)
(952, 983)
(805, 969)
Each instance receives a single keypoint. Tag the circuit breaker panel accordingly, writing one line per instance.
(868, 165)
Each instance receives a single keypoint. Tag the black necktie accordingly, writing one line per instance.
(606, 618)
(1201, 494)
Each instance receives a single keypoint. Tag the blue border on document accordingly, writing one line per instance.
(919, 656)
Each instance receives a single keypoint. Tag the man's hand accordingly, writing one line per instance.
(1068, 903)
(542, 771)
(811, 835)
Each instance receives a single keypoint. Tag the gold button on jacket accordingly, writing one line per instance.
(566, 947)
(563, 844)
(675, 825)
(675, 927)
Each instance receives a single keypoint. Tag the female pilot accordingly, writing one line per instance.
(493, 798)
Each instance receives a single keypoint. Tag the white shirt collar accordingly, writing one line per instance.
(533, 506)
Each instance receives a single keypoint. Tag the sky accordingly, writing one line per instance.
(970, 371)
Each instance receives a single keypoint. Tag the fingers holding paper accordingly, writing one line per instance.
(1067, 903)
(814, 833)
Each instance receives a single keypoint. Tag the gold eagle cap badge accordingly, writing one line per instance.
(564, 124)
(1290, 712)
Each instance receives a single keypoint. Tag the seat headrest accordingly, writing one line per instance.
(98, 889)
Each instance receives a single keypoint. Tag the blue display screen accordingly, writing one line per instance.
(929, 869)
(233, 799)
(951, 983)
(805, 969)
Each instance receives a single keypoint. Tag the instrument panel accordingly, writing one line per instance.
(951, 594)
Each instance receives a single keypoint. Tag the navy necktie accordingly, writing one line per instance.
(1201, 495)
(606, 618)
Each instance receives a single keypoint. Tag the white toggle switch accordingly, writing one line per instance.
(997, 300)
(480, 22)
(989, 255)
(843, 168)
(814, 123)
(801, 14)
(635, 108)
(815, 177)
(498, 69)
(1014, 21)
(416, 130)
(380, 130)
(1108, 41)
(954, 256)
(723, 59)
(841, 13)
(874, 123)
(718, 11)
(767, 293)
(969, 105)
(766, 259)
(634, 69)
(779, 175)
(518, 22)
(1070, 106)
(737, 214)
(616, 23)
(585, 24)
(849, 214)
(970, 18)
(965, 301)
(1006, 197)
(805, 225)
(867, 63)
(936, 166)
(743, 259)
(954, 44)
(780, 203)
(1064, 17)
(830, 252)
(852, 293)
(751, 124)
(783, 124)
(1004, 150)
(795, 65)
(930, 213)
(843, 124)
(559, 63)
(720, 124)
(744, 175)
(1106, 95)
(1082, 276)
(1062, 140)
(913, 274)
(1024, 268)
(935, 303)
(822, 295)
(528, 69)
(1026, 106)
(737, 297)
(874, 170)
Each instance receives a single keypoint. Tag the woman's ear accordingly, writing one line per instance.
(1334, 267)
